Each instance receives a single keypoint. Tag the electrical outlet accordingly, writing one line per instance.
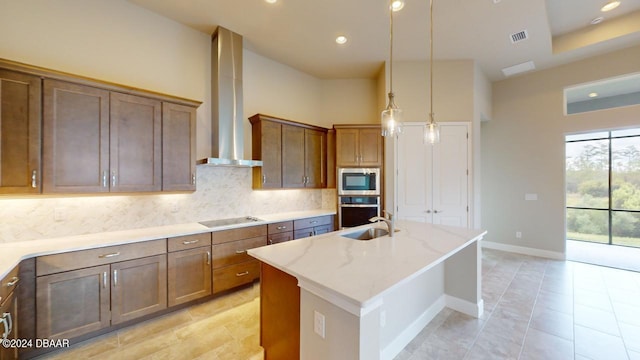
(518, 235)
(59, 214)
(174, 207)
(318, 324)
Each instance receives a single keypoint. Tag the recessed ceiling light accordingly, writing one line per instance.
(610, 5)
(593, 94)
(341, 40)
(597, 20)
(397, 5)
(271, 1)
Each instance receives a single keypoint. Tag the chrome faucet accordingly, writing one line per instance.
(388, 219)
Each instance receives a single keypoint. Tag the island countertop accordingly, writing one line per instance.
(355, 274)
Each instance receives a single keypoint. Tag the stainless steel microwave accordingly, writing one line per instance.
(358, 181)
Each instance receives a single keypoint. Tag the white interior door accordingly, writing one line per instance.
(414, 175)
(450, 177)
(433, 181)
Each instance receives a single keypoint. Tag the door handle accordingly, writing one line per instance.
(242, 274)
(104, 280)
(208, 257)
(14, 280)
(115, 278)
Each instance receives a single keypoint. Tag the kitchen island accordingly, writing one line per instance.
(333, 297)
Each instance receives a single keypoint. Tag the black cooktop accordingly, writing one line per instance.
(231, 221)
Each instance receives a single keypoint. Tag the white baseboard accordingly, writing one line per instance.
(408, 334)
(465, 307)
(523, 250)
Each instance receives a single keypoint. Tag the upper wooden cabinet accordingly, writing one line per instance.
(359, 146)
(294, 155)
(75, 138)
(89, 136)
(20, 119)
(266, 137)
(178, 147)
(136, 143)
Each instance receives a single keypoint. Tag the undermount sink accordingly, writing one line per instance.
(367, 234)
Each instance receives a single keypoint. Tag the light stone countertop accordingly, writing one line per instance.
(12, 253)
(355, 274)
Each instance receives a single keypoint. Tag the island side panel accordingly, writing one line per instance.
(463, 275)
(279, 314)
(347, 336)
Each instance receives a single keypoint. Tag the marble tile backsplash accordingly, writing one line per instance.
(223, 192)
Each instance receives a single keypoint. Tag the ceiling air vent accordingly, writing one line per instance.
(519, 36)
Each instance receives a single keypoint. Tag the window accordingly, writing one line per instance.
(603, 187)
(603, 94)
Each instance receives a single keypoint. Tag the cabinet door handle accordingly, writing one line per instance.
(264, 179)
(208, 257)
(436, 211)
(8, 325)
(193, 178)
(281, 227)
(14, 280)
(109, 255)
(270, 241)
(105, 183)
(6, 333)
(190, 242)
(314, 221)
(115, 278)
(104, 280)
(428, 211)
(241, 251)
(242, 274)
(113, 178)
(34, 179)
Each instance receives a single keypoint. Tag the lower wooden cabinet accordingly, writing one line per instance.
(78, 302)
(189, 273)
(9, 325)
(232, 266)
(228, 277)
(313, 226)
(280, 232)
(73, 303)
(138, 288)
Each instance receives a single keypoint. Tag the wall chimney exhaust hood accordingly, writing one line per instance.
(227, 120)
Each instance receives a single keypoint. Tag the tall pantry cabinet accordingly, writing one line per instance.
(433, 181)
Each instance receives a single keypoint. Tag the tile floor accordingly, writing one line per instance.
(534, 309)
(621, 257)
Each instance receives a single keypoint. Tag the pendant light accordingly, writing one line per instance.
(431, 129)
(391, 116)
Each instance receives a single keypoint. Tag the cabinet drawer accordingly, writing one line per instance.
(280, 227)
(188, 242)
(303, 233)
(236, 251)
(234, 275)
(223, 236)
(311, 222)
(51, 264)
(281, 237)
(322, 229)
(8, 284)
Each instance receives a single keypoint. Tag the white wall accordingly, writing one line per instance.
(119, 42)
(523, 148)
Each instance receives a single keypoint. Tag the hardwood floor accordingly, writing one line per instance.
(224, 328)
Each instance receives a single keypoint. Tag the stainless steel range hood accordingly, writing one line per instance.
(227, 120)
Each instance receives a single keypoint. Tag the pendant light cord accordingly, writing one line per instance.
(431, 61)
(391, 50)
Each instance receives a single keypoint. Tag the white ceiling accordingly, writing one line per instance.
(301, 33)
